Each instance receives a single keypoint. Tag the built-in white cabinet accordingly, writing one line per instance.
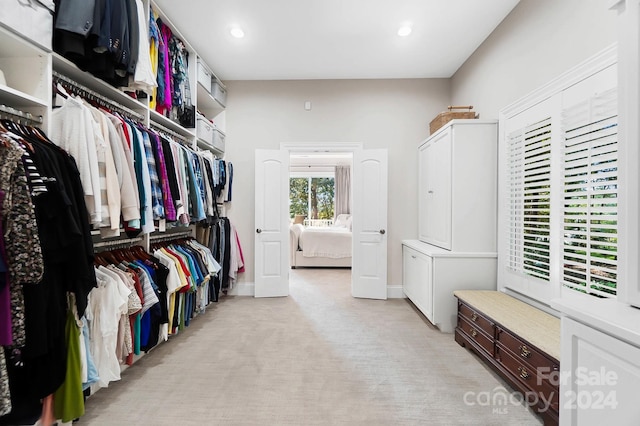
(599, 377)
(457, 186)
(457, 207)
(431, 274)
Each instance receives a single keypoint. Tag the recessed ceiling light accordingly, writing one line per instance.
(237, 32)
(404, 31)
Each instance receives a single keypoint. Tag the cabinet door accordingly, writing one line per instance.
(417, 282)
(435, 191)
(599, 378)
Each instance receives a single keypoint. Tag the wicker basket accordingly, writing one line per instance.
(446, 116)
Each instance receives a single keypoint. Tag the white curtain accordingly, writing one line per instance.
(343, 190)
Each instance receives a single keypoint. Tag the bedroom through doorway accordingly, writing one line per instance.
(272, 260)
(320, 214)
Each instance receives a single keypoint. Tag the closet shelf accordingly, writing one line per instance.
(210, 147)
(15, 46)
(207, 103)
(158, 118)
(69, 69)
(18, 99)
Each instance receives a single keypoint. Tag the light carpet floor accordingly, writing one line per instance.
(317, 357)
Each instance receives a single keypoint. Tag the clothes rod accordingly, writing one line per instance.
(176, 135)
(112, 243)
(16, 113)
(170, 236)
(57, 77)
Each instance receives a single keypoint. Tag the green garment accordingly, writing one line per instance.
(68, 401)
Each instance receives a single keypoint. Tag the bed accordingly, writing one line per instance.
(328, 246)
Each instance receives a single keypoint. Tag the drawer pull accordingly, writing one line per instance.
(474, 317)
(524, 374)
(524, 352)
(474, 333)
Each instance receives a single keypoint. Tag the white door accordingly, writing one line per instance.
(369, 270)
(271, 225)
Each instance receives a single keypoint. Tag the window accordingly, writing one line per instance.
(559, 189)
(530, 193)
(312, 197)
(590, 208)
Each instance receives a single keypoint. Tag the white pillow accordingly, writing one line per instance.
(341, 220)
(350, 223)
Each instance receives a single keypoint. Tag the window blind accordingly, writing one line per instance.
(590, 190)
(530, 199)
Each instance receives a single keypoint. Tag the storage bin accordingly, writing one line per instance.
(204, 129)
(31, 19)
(204, 76)
(446, 116)
(219, 92)
(218, 140)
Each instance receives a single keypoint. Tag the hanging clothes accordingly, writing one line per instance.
(38, 366)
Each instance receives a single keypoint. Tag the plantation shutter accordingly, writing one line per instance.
(530, 199)
(590, 190)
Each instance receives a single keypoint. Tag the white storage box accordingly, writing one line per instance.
(204, 76)
(204, 129)
(219, 93)
(31, 19)
(218, 140)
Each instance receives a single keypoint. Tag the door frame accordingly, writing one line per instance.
(322, 147)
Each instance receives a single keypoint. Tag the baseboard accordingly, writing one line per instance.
(395, 292)
(243, 289)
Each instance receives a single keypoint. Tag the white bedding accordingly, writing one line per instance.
(331, 242)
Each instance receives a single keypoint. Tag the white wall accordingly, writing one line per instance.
(392, 114)
(536, 42)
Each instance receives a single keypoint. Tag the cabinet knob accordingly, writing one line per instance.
(474, 317)
(430, 192)
(258, 231)
(413, 256)
(474, 333)
(382, 231)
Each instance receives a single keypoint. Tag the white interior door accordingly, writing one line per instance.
(369, 270)
(271, 226)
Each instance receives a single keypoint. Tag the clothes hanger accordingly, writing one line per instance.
(99, 260)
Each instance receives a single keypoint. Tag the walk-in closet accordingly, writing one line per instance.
(115, 189)
(319, 212)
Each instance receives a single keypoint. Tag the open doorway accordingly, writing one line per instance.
(272, 224)
(320, 209)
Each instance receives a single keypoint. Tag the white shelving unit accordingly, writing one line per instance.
(27, 72)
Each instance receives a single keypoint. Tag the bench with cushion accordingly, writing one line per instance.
(520, 342)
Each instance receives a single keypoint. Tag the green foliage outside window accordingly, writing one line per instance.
(311, 197)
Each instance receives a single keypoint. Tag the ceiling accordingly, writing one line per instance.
(335, 39)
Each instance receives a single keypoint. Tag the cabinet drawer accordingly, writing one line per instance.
(477, 319)
(477, 335)
(525, 352)
(529, 379)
